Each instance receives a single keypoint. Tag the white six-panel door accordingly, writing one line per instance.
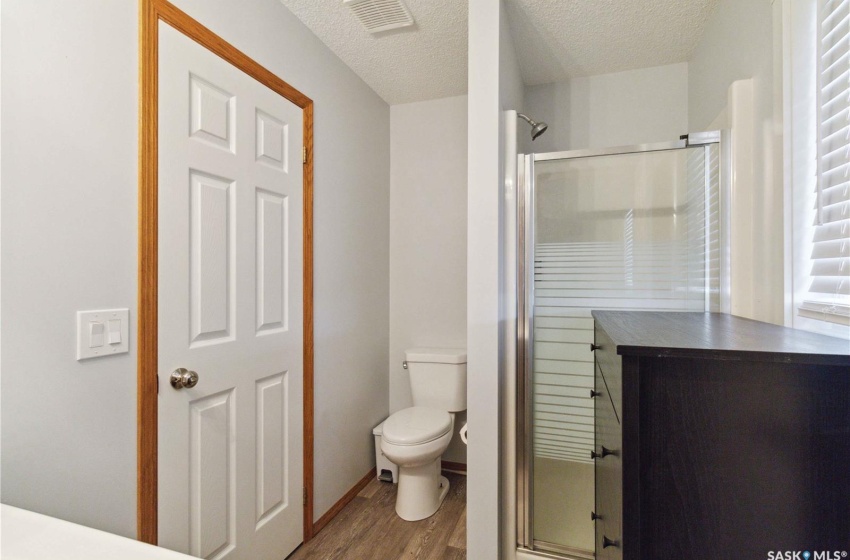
(230, 308)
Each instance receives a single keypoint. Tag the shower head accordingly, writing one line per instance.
(537, 128)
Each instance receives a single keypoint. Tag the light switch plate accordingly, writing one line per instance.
(97, 347)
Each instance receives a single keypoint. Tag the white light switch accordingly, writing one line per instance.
(102, 333)
(114, 331)
(95, 334)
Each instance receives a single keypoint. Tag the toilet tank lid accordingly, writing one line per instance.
(436, 355)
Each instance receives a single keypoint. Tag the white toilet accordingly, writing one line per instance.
(416, 437)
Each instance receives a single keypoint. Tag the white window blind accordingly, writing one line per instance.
(829, 293)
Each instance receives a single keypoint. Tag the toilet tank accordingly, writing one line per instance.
(438, 377)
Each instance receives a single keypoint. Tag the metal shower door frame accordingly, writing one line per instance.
(525, 299)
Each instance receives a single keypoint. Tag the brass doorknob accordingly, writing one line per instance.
(182, 377)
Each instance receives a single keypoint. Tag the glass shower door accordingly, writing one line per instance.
(634, 231)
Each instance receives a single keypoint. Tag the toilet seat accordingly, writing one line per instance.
(416, 425)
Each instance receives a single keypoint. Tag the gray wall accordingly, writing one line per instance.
(619, 109)
(68, 243)
(743, 40)
(69, 189)
(427, 238)
(494, 85)
(737, 44)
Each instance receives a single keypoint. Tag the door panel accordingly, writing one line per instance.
(272, 220)
(212, 481)
(213, 114)
(211, 269)
(272, 447)
(230, 308)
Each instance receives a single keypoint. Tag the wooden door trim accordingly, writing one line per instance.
(151, 13)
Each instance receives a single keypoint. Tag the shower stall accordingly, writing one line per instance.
(641, 227)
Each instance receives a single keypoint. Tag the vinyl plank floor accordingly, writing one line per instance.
(458, 538)
(369, 529)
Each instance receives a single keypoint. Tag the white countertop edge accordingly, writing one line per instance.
(25, 535)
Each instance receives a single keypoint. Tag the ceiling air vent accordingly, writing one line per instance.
(380, 15)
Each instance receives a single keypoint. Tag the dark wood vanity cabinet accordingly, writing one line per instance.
(719, 437)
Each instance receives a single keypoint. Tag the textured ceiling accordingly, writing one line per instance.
(426, 61)
(555, 40)
(561, 39)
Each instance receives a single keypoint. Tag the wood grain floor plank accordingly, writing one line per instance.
(452, 553)
(370, 489)
(389, 533)
(457, 488)
(431, 538)
(336, 537)
(368, 528)
(458, 536)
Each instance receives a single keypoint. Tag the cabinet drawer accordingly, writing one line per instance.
(608, 472)
(611, 365)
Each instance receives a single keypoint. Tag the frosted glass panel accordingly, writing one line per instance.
(631, 231)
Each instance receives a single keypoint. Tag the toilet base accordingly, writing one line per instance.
(421, 491)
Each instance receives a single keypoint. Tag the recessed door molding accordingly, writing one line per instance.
(151, 13)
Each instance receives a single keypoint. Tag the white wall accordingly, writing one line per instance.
(69, 242)
(620, 109)
(428, 173)
(494, 85)
(69, 188)
(511, 101)
(743, 40)
(737, 44)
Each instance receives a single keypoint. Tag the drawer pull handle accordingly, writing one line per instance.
(594, 516)
(605, 452)
(594, 347)
(594, 394)
(606, 542)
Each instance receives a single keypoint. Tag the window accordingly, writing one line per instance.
(818, 110)
(829, 291)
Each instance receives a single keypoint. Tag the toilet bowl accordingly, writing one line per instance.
(415, 438)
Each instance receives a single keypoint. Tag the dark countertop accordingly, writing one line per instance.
(718, 336)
